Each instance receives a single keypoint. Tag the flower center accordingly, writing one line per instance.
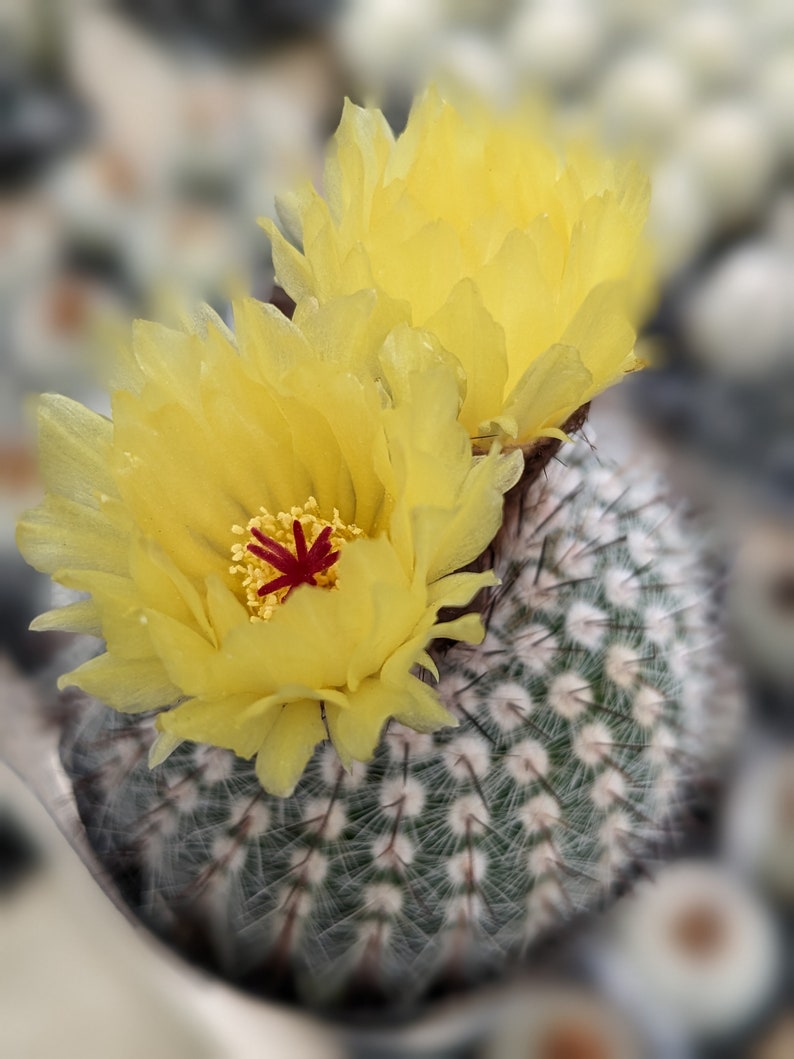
(283, 551)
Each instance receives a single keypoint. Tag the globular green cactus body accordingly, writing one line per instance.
(446, 855)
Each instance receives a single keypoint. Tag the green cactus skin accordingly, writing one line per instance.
(445, 857)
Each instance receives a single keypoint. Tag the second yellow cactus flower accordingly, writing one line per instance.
(529, 269)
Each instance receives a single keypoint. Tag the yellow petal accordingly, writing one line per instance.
(62, 533)
(515, 292)
(466, 328)
(456, 590)
(224, 610)
(468, 628)
(423, 711)
(81, 617)
(362, 146)
(129, 684)
(163, 746)
(290, 266)
(603, 333)
(235, 722)
(405, 353)
(476, 520)
(185, 655)
(424, 290)
(550, 389)
(74, 446)
(289, 745)
(355, 732)
(268, 340)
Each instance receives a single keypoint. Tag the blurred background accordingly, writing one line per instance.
(139, 142)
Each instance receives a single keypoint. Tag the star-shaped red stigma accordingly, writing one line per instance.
(298, 569)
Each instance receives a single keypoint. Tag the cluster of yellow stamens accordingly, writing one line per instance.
(283, 551)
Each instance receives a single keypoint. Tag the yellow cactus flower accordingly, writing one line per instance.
(529, 269)
(265, 540)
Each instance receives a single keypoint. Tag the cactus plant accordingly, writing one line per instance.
(448, 854)
(391, 841)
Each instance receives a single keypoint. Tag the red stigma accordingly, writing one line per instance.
(298, 569)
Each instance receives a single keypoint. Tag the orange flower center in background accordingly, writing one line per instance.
(286, 550)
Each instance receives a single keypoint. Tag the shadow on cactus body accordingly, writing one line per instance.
(445, 858)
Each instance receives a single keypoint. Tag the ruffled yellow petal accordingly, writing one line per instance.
(465, 536)
(75, 446)
(268, 340)
(456, 590)
(359, 728)
(449, 507)
(288, 746)
(463, 325)
(291, 267)
(224, 610)
(132, 685)
(81, 616)
(363, 145)
(422, 711)
(550, 389)
(117, 604)
(163, 746)
(230, 721)
(47, 537)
